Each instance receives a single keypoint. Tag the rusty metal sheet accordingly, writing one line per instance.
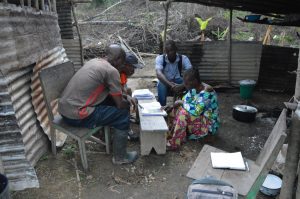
(54, 57)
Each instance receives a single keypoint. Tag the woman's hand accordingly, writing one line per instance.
(178, 103)
(167, 108)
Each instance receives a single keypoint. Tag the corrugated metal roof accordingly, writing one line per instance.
(17, 168)
(54, 57)
(72, 47)
(256, 6)
(211, 59)
(275, 67)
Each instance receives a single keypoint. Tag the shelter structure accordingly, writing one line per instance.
(30, 39)
(284, 14)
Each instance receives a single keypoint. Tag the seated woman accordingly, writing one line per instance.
(196, 114)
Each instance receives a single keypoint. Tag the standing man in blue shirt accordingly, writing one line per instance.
(169, 69)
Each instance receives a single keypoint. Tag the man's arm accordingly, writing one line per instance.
(163, 78)
(121, 102)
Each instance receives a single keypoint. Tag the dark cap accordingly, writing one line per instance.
(132, 60)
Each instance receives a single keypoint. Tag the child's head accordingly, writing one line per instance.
(191, 79)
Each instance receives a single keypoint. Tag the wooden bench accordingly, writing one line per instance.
(246, 182)
(153, 130)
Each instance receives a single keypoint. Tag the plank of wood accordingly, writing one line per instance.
(202, 165)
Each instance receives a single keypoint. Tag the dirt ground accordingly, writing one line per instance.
(153, 176)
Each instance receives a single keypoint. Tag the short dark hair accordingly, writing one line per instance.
(170, 44)
(192, 74)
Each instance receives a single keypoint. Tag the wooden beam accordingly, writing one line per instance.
(36, 4)
(292, 157)
(104, 23)
(54, 6)
(43, 4)
(22, 3)
(81, 1)
(230, 48)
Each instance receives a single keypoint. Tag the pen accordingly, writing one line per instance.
(140, 106)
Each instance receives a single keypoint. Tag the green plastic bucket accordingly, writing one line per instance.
(246, 88)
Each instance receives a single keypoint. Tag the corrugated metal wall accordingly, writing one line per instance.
(12, 150)
(211, 59)
(72, 47)
(276, 65)
(65, 19)
(34, 139)
(26, 36)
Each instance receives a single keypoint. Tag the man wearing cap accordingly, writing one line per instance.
(131, 63)
(169, 70)
(93, 97)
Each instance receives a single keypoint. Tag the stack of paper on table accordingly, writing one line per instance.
(151, 109)
(143, 94)
(227, 161)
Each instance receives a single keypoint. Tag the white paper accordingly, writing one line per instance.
(143, 94)
(228, 160)
(152, 109)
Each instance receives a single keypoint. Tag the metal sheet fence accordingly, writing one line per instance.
(212, 60)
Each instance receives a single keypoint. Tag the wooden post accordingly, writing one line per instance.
(1, 166)
(166, 7)
(230, 48)
(43, 4)
(22, 3)
(78, 31)
(29, 3)
(292, 158)
(54, 5)
(36, 4)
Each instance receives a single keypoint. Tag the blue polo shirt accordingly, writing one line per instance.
(171, 69)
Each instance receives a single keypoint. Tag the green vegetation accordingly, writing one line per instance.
(220, 35)
(69, 150)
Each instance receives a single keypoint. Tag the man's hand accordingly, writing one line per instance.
(167, 108)
(133, 101)
(177, 88)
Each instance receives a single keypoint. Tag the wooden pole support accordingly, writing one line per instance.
(230, 48)
(54, 5)
(36, 4)
(43, 4)
(22, 3)
(29, 3)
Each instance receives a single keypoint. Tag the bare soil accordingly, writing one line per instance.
(153, 176)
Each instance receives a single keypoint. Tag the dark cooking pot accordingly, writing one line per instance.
(244, 113)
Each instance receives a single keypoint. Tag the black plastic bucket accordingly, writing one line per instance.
(4, 190)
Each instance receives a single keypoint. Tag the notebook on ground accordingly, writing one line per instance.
(228, 161)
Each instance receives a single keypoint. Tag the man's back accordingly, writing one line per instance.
(88, 87)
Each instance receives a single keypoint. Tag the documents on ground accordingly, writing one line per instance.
(222, 160)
